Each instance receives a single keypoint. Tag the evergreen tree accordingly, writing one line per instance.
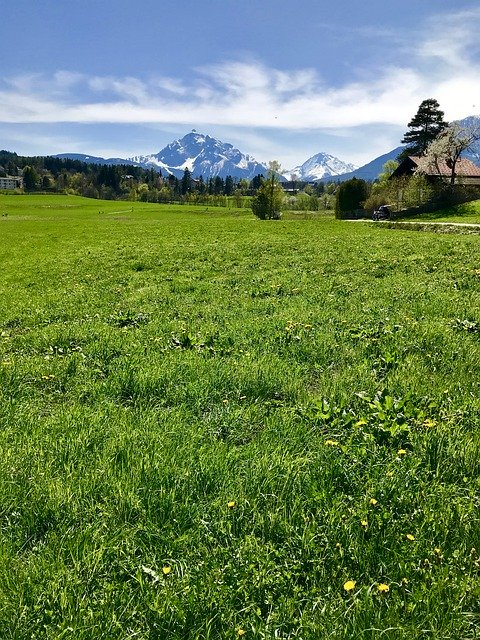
(30, 178)
(186, 186)
(228, 186)
(351, 195)
(423, 128)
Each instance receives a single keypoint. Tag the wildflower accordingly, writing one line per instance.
(166, 570)
(373, 501)
(349, 585)
(360, 422)
(410, 537)
(331, 443)
(389, 474)
(437, 551)
(401, 452)
(429, 423)
(231, 504)
(241, 632)
(383, 588)
(364, 523)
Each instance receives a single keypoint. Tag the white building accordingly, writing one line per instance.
(11, 182)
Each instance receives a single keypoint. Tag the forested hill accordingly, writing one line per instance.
(110, 182)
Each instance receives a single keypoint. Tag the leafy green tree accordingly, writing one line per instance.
(351, 195)
(423, 128)
(387, 170)
(268, 201)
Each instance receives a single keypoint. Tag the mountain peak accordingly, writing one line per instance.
(320, 166)
(203, 156)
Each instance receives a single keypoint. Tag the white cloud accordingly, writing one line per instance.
(247, 95)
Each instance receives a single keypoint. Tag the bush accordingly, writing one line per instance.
(268, 201)
(351, 195)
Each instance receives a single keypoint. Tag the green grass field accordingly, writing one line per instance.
(216, 427)
(468, 213)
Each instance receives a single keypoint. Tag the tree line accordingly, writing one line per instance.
(130, 182)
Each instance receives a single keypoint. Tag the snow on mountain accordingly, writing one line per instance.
(321, 166)
(82, 157)
(203, 156)
(208, 157)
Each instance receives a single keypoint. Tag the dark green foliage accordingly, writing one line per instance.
(30, 178)
(424, 127)
(268, 201)
(351, 195)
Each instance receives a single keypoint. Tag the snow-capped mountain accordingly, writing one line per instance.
(371, 170)
(203, 156)
(82, 157)
(321, 166)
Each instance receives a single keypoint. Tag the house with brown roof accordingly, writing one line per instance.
(465, 171)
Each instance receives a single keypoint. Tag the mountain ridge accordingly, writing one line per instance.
(206, 156)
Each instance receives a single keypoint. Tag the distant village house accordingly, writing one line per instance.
(10, 183)
(466, 172)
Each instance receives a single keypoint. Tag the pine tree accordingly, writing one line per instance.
(423, 128)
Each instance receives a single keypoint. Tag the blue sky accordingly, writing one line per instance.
(279, 80)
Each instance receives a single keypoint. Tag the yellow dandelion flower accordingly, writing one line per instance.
(383, 588)
(231, 504)
(241, 632)
(429, 423)
(401, 452)
(166, 570)
(437, 551)
(360, 422)
(349, 585)
(331, 443)
(373, 501)
(364, 523)
(410, 537)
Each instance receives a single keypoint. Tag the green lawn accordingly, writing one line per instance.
(216, 427)
(468, 213)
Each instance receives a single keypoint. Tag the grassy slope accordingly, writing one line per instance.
(468, 213)
(157, 364)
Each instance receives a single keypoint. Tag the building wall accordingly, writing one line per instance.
(11, 183)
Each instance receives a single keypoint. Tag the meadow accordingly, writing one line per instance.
(468, 213)
(217, 427)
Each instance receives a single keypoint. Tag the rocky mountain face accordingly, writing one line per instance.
(320, 167)
(203, 156)
(208, 157)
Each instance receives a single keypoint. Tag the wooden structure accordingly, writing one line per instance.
(466, 172)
